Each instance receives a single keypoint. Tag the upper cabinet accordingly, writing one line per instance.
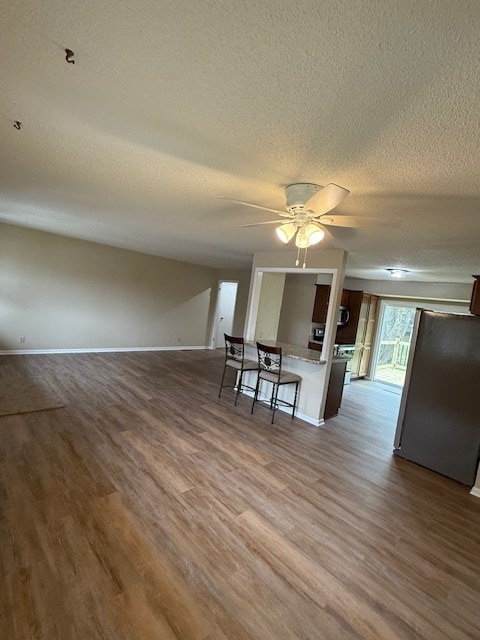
(364, 337)
(360, 328)
(352, 300)
(320, 306)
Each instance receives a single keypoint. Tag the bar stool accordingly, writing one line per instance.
(235, 359)
(270, 369)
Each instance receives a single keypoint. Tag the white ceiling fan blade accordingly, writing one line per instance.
(355, 222)
(326, 199)
(258, 224)
(257, 206)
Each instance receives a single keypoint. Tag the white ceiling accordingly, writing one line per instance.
(171, 104)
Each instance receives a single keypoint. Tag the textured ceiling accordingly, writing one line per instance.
(171, 104)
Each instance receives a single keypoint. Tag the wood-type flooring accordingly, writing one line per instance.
(147, 509)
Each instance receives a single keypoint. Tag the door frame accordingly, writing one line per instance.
(212, 343)
(392, 302)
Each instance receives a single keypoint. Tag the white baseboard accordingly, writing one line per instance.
(475, 492)
(28, 352)
(298, 414)
(305, 418)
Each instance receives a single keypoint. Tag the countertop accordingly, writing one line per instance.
(298, 353)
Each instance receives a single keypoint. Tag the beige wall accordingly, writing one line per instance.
(297, 307)
(299, 295)
(269, 306)
(319, 262)
(417, 290)
(62, 293)
(242, 276)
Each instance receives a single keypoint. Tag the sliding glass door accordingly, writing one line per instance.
(393, 346)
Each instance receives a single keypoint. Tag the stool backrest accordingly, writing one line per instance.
(269, 358)
(234, 349)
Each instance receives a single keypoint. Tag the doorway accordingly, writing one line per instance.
(393, 343)
(225, 312)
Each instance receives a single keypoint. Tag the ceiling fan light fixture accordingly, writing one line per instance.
(286, 232)
(398, 273)
(313, 233)
(301, 240)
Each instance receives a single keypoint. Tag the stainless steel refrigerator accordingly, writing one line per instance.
(439, 421)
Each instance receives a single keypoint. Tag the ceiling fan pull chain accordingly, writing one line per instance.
(305, 258)
(297, 261)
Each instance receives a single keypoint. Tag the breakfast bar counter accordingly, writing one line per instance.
(292, 351)
(307, 364)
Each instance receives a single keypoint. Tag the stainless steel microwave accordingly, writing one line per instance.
(319, 333)
(343, 316)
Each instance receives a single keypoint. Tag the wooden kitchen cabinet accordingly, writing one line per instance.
(364, 361)
(355, 365)
(320, 306)
(358, 331)
(345, 297)
(353, 301)
(335, 388)
(364, 336)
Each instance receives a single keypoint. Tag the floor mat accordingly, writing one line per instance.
(23, 395)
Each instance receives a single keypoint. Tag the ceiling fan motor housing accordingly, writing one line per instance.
(298, 194)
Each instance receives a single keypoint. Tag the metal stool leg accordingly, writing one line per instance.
(272, 396)
(223, 379)
(275, 405)
(255, 396)
(239, 386)
(295, 400)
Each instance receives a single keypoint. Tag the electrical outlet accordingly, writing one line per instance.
(21, 339)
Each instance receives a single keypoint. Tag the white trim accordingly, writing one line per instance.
(213, 330)
(400, 298)
(475, 492)
(375, 352)
(255, 293)
(305, 418)
(298, 414)
(253, 304)
(27, 352)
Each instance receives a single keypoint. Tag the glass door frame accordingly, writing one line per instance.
(384, 302)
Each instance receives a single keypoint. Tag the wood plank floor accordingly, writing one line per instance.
(149, 509)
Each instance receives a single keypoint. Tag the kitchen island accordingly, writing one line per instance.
(307, 364)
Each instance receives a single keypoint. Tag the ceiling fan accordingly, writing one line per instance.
(308, 207)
